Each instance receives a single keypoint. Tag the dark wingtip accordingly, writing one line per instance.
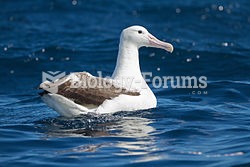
(44, 92)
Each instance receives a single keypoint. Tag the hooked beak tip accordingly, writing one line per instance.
(171, 48)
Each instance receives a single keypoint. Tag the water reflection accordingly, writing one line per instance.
(123, 135)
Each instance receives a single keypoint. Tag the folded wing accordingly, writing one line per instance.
(85, 89)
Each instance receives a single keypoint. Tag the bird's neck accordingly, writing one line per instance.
(127, 64)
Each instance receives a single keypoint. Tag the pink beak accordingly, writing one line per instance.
(154, 42)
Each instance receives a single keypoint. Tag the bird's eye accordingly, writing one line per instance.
(140, 32)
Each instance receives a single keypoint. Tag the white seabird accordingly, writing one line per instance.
(81, 93)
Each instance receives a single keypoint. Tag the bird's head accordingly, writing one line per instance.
(140, 36)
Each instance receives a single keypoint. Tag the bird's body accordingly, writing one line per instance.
(80, 93)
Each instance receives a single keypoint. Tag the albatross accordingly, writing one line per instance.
(82, 93)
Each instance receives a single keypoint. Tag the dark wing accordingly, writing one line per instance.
(85, 89)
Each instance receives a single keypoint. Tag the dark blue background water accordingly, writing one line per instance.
(211, 38)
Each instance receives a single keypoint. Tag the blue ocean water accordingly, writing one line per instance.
(207, 127)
